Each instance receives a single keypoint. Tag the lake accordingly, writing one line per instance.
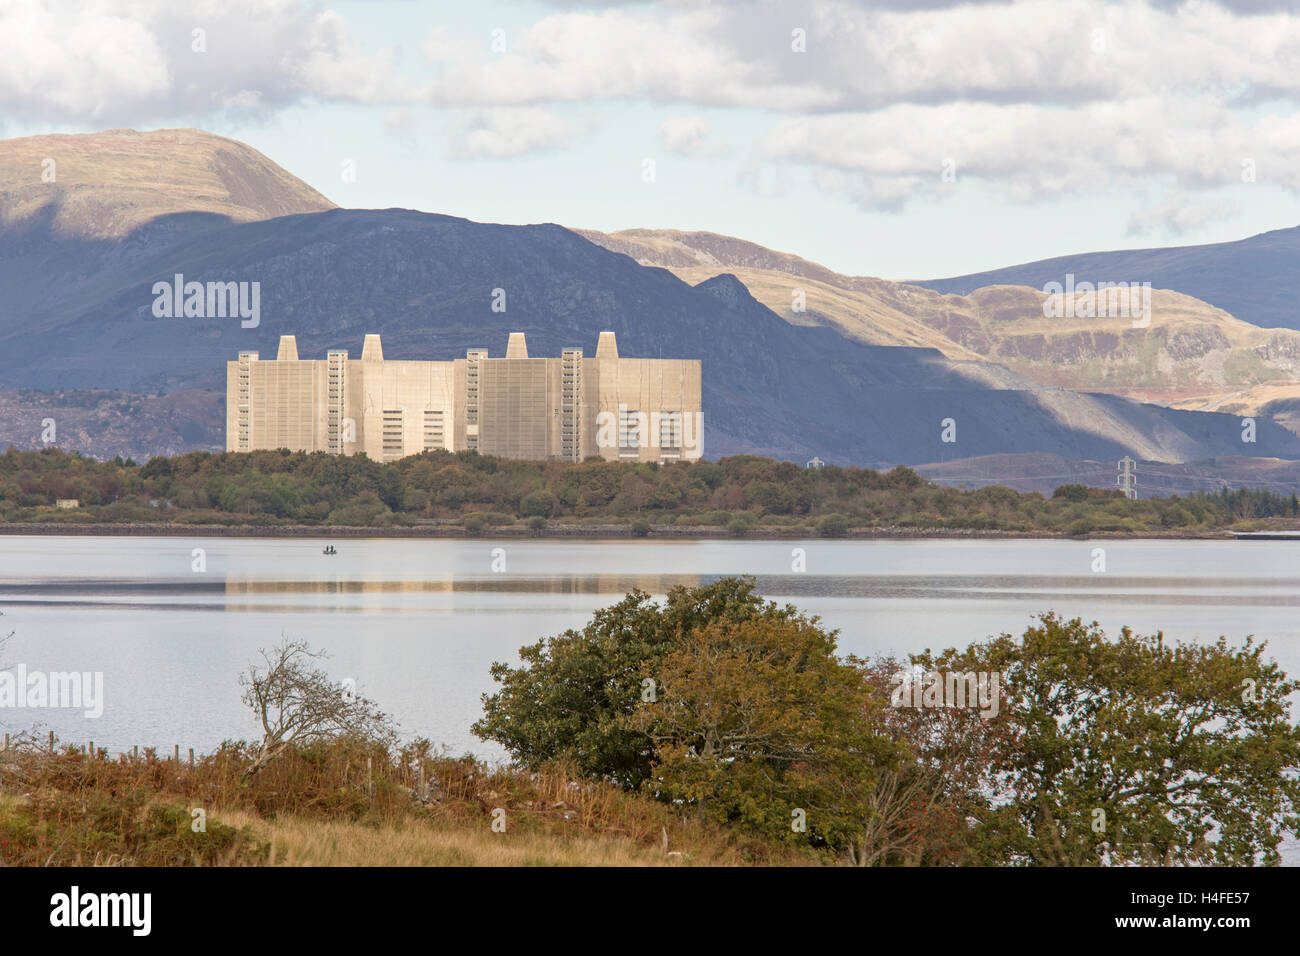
(417, 623)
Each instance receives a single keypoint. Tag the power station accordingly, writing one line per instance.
(570, 408)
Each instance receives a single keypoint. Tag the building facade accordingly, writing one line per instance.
(571, 408)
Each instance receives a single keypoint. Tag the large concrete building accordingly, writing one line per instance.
(570, 408)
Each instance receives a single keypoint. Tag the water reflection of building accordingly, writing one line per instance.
(516, 406)
(505, 584)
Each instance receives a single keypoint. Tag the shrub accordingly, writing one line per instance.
(96, 828)
(366, 511)
(833, 526)
(1071, 492)
(452, 496)
(538, 504)
(742, 523)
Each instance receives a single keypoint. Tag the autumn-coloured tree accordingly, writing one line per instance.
(1098, 751)
(920, 814)
(758, 724)
(1134, 750)
(571, 695)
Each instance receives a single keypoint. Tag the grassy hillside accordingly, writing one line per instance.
(104, 185)
(1192, 356)
(1255, 279)
(336, 804)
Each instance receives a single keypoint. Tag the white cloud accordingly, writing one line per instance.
(1179, 214)
(683, 134)
(1039, 98)
(84, 58)
(136, 62)
(656, 54)
(1030, 153)
(80, 65)
(399, 121)
(509, 131)
(242, 100)
(862, 57)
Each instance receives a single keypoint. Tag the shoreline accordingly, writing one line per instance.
(702, 532)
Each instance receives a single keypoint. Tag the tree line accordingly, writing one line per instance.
(740, 493)
(1071, 748)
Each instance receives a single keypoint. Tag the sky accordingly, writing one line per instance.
(906, 140)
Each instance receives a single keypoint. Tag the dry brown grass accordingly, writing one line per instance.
(342, 804)
(300, 842)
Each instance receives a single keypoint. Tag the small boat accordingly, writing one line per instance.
(329, 549)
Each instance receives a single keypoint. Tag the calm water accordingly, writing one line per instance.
(417, 623)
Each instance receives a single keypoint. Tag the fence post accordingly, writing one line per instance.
(92, 750)
(178, 753)
(370, 778)
(51, 741)
(191, 756)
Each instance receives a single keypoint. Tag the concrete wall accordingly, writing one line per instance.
(409, 387)
(519, 405)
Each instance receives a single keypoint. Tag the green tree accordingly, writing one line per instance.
(833, 526)
(539, 504)
(756, 723)
(156, 468)
(1133, 750)
(1071, 492)
(573, 694)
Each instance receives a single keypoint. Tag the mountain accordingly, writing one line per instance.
(117, 198)
(874, 311)
(1192, 356)
(425, 283)
(78, 314)
(1044, 473)
(1256, 279)
(107, 185)
(103, 424)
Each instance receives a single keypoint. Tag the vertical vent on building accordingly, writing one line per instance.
(392, 438)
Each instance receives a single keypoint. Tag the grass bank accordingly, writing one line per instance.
(338, 804)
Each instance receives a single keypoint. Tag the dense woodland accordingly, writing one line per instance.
(741, 493)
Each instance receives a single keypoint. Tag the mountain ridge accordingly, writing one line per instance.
(1192, 355)
(79, 316)
(1255, 279)
(105, 185)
